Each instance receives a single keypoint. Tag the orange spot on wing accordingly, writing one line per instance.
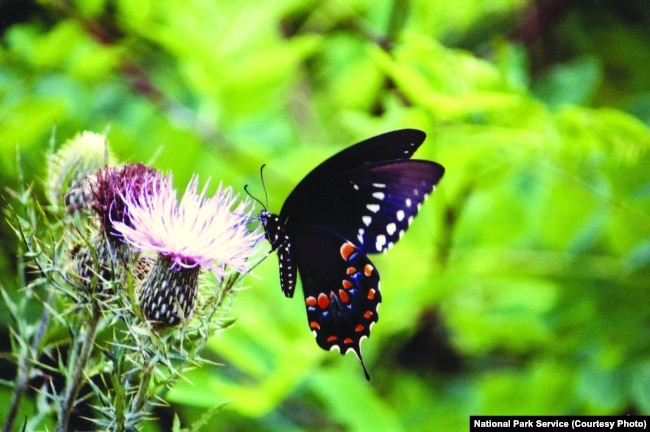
(359, 328)
(346, 284)
(332, 338)
(323, 301)
(311, 301)
(368, 314)
(347, 341)
(347, 249)
(345, 298)
(371, 294)
(314, 325)
(350, 271)
(368, 269)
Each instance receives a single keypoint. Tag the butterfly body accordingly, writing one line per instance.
(358, 202)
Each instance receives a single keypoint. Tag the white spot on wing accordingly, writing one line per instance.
(391, 228)
(366, 220)
(379, 195)
(380, 242)
(373, 207)
(400, 215)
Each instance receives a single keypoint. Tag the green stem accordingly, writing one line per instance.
(142, 396)
(25, 366)
(78, 363)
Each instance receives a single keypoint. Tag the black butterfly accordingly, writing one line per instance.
(358, 202)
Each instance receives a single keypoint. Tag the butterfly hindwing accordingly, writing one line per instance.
(341, 288)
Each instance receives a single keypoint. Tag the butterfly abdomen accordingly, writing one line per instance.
(280, 242)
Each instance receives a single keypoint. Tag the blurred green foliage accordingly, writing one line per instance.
(522, 286)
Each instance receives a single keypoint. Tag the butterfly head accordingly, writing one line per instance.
(273, 229)
(270, 222)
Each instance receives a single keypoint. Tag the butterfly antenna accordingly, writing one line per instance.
(253, 196)
(266, 194)
(265, 205)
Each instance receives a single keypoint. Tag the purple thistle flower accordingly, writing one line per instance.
(103, 192)
(194, 232)
(109, 187)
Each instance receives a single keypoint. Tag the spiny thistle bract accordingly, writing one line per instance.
(95, 264)
(167, 296)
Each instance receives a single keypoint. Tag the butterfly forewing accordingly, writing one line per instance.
(385, 200)
(395, 145)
